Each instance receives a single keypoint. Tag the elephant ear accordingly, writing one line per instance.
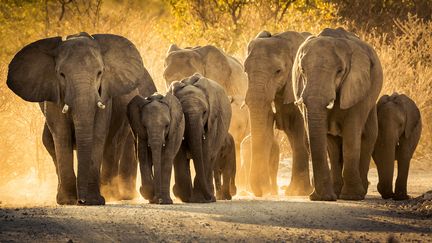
(216, 65)
(176, 114)
(134, 115)
(413, 117)
(219, 106)
(293, 40)
(123, 65)
(173, 48)
(32, 74)
(357, 82)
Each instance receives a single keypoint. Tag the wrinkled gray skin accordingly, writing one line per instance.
(225, 165)
(268, 65)
(213, 63)
(207, 112)
(337, 79)
(80, 72)
(399, 130)
(246, 157)
(158, 125)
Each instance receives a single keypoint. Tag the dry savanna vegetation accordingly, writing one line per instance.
(400, 31)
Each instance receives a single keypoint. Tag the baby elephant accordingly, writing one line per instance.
(158, 125)
(399, 129)
(225, 164)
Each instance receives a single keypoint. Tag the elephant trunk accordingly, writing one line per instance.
(83, 117)
(261, 117)
(317, 134)
(156, 142)
(194, 137)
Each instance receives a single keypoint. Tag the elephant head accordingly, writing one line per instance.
(208, 60)
(332, 72)
(80, 74)
(158, 125)
(268, 66)
(207, 112)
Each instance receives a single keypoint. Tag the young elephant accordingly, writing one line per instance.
(225, 164)
(399, 129)
(207, 112)
(158, 125)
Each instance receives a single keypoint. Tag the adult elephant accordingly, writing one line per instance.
(207, 113)
(79, 82)
(214, 64)
(268, 65)
(337, 79)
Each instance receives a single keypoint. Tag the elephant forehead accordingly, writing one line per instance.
(156, 112)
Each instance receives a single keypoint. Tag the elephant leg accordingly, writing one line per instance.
(63, 154)
(368, 140)
(147, 188)
(217, 178)
(384, 160)
(274, 166)
(182, 177)
(109, 171)
(48, 142)
(231, 168)
(403, 155)
(167, 165)
(227, 177)
(352, 188)
(128, 170)
(300, 180)
(334, 147)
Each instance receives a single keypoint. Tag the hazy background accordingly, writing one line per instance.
(400, 31)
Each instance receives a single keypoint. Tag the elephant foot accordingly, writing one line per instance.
(233, 190)
(401, 196)
(325, 196)
(161, 200)
(298, 189)
(97, 200)
(223, 195)
(147, 192)
(387, 195)
(66, 197)
(198, 197)
(354, 192)
(184, 197)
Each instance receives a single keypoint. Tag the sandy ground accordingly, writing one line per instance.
(242, 219)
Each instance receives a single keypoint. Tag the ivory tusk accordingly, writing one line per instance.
(330, 105)
(204, 137)
(299, 101)
(101, 105)
(163, 145)
(65, 109)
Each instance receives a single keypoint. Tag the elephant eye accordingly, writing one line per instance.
(99, 73)
(62, 75)
(339, 71)
(278, 71)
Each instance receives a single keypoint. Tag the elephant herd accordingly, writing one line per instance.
(321, 91)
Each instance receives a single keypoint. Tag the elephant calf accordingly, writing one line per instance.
(158, 125)
(225, 164)
(399, 129)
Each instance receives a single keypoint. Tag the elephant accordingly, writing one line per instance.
(336, 81)
(225, 164)
(246, 150)
(216, 65)
(399, 130)
(268, 65)
(82, 84)
(158, 124)
(207, 112)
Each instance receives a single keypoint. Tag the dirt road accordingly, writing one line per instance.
(243, 219)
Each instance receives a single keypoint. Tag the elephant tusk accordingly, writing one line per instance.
(101, 105)
(204, 137)
(163, 145)
(330, 105)
(299, 101)
(65, 109)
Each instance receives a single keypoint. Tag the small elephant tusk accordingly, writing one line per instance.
(101, 105)
(163, 145)
(204, 137)
(330, 105)
(65, 109)
(299, 101)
